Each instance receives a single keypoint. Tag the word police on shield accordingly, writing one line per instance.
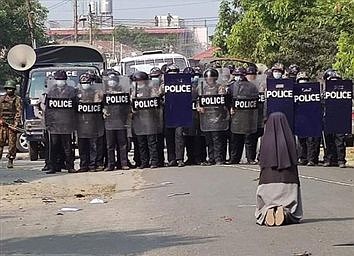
(59, 103)
(308, 111)
(280, 98)
(178, 100)
(338, 106)
(147, 103)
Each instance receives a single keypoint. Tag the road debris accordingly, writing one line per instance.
(306, 253)
(227, 218)
(179, 194)
(70, 209)
(79, 195)
(48, 200)
(60, 213)
(166, 183)
(19, 180)
(97, 201)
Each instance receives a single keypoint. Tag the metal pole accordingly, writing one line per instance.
(75, 21)
(90, 17)
(30, 23)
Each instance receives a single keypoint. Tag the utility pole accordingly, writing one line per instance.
(90, 17)
(75, 21)
(30, 23)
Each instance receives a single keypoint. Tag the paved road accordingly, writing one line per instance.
(211, 213)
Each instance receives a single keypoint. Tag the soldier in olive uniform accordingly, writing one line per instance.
(10, 119)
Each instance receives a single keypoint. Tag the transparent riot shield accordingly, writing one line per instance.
(147, 118)
(117, 104)
(59, 114)
(213, 106)
(89, 111)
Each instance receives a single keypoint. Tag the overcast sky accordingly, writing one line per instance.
(138, 9)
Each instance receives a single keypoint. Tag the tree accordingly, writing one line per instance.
(14, 28)
(228, 16)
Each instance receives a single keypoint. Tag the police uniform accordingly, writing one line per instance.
(10, 118)
(60, 121)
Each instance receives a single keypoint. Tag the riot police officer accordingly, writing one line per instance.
(251, 140)
(10, 119)
(60, 121)
(335, 150)
(175, 142)
(278, 71)
(214, 115)
(116, 115)
(195, 141)
(156, 77)
(293, 70)
(90, 121)
(244, 113)
(146, 118)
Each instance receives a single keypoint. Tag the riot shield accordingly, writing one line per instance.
(338, 106)
(280, 98)
(213, 104)
(178, 100)
(117, 104)
(89, 111)
(147, 118)
(308, 110)
(224, 75)
(59, 114)
(194, 130)
(244, 107)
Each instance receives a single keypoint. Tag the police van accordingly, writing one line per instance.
(151, 59)
(36, 67)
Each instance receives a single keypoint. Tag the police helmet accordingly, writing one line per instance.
(330, 74)
(239, 71)
(294, 69)
(173, 68)
(108, 71)
(211, 73)
(60, 75)
(86, 78)
(10, 84)
(251, 70)
(140, 76)
(198, 71)
(231, 67)
(112, 76)
(155, 72)
(189, 70)
(302, 76)
(279, 67)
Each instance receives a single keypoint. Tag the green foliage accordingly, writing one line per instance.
(314, 34)
(139, 39)
(14, 28)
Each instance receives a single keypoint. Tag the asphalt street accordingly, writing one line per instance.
(185, 211)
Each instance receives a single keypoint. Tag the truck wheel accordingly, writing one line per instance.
(22, 143)
(33, 150)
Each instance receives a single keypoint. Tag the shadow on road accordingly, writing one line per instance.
(304, 221)
(100, 243)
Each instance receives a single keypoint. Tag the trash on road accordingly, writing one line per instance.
(97, 201)
(306, 253)
(246, 205)
(227, 218)
(166, 183)
(79, 195)
(59, 213)
(48, 200)
(179, 194)
(19, 180)
(70, 209)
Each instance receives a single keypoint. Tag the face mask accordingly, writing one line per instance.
(237, 78)
(61, 83)
(10, 92)
(112, 83)
(277, 75)
(155, 80)
(85, 86)
(302, 81)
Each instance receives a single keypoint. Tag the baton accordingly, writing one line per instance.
(18, 129)
(324, 140)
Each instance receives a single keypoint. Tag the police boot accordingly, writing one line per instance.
(10, 163)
